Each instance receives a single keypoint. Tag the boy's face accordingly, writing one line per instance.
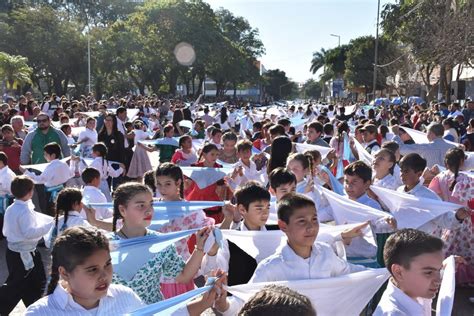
(303, 227)
(217, 138)
(257, 214)
(312, 135)
(284, 189)
(229, 145)
(245, 154)
(355, 186)
(422, 278)
(410, 177)
(368, 136)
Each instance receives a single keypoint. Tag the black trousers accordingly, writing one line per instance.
(27, 286)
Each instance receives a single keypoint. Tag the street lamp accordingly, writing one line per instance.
(338, 39)
(374, 86)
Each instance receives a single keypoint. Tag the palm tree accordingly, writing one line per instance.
(14, 69)
(318, 61)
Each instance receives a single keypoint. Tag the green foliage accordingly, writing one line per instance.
(311, 89)
(278, 85)
(14, 69)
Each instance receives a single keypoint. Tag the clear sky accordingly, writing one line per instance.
(292, 30)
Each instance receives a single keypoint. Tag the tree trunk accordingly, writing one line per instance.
(172, 80)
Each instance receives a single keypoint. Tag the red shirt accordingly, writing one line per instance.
(13, 154)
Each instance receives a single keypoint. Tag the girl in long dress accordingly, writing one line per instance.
(140, 163)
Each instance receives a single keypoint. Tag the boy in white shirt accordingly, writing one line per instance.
(23, 228)
(54, 176)
(301, 258)
(92, 194)
(6, 177)
(414, 260)
(246, 169)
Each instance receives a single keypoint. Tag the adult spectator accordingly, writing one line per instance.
(44, 133)
(434, 151)
(18, 125)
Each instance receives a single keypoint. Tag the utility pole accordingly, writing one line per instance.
(376, 50)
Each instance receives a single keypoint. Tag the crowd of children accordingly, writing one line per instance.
(275, 177)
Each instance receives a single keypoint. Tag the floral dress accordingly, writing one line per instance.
(146, 282)
(460, 241)
(198, 219)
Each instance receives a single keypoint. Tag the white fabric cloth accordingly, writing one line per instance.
(420, 191)
(6, 178)
(301, 148)
(105, 168)
(249, 174)
(444, 305)
(414, 212)
(343, 295)
(92, 194)
(74, 219)
(121, 128)
(118, 301)
(88, 137)
(395, 302)
(57, 172)
(388, 182)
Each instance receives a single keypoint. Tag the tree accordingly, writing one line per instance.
(277, 84)
(438, 33)
(318, 61)
(359, 64)
(14, 69)
(311, 89)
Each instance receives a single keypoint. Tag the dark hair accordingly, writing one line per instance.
(328, 128)
(303, 159)
(65, 201)
(21, 186)
(413, 161)
(360, 169)
(317, 126)
(89, 174)
(206, 149)
(391, 157)
(173, 171)
(244, 144)
(280, 150)
(121, 109)
(216, 131)
(168, 128)
(182, 139)
(277, 130)
(149, 180)
(277, 300)
(391, 145)
(406, 244)
(284, 122)
(103, 130)
(224, 115)
(453, 159)
(123, 194)
(249, 193)
(280, 176)
(229, 136)
(101, 149)
(3, 158)
(292, 202)
(53, 148)
(72, 248)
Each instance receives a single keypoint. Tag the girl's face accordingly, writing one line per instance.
(138, 212)
(77, 206)
(89, 281)
(187, 143)
(95, 154)
(109, 122)
(297, 169)
(382, 163)
(217, 138)
(168, 187)
(91, 124)
(211, 156)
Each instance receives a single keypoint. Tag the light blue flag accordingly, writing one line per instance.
(169, 306)
(129, 255)
(335, 184)
(256, 151)
(226, 164)
(174, 141)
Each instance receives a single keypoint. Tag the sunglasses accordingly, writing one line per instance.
(42, 121)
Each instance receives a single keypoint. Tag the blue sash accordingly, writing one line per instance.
(54, 191)
(4, 203)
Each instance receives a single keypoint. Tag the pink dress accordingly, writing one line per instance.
(169, 287)
(460, 241)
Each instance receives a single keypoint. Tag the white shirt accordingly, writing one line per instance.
(139, 135)
(249, 174)
(105, 168)
(286, 265)
(92, 194)
(123, 130)
(57, 172)
(222, 257)
(118, 301)
(73, 219)
(448, 220)
(6, 178)
(395, 302)
(22, 223)
(389, 182)
(88, 137)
